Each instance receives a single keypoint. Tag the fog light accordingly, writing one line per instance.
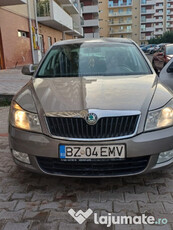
(165, 156)
(21, 156)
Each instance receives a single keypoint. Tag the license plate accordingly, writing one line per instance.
(87, 152)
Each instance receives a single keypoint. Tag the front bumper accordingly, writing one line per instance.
(39, 145)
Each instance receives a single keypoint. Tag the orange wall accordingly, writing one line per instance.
(54, 34)
(17, 50)
(67, 37)
(49, 32)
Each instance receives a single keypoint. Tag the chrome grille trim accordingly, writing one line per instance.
(108, 116)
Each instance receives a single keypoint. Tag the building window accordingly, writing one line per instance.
(129, 11)
(120, 11)
(49, 41)
(160, 11)
(121, 20)
(23, 34)
(143, 10)
(142, 27)
(41, 40)
(143, 19)
(143, 1)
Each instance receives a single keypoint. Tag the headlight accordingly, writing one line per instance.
(160, 118)
(22, 119)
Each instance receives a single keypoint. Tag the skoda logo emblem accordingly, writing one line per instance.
(91, 118)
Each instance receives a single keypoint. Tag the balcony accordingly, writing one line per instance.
(158, 26)
(12, 2)
(90, 9)
(116, 14)
(77, 26)
(49, 13)
(158, 20)
(159, 7)
(148, 37)
(71, 6)
(170, 13)
(169, 6)
(160, 1)
(149, 2)
(116, 5)
(147, 29)
(169, 26)
(151, 11)
(143, 37)
(148, 20)
(91, 23)
(158, 32)
(169, 19)
(117, 23)
(158, 13)
(120, 31)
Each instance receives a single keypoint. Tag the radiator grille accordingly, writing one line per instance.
(101, 167)
(106, 127)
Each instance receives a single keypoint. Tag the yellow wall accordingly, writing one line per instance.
(103, 17)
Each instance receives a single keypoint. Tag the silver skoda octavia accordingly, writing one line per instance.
(93, 108)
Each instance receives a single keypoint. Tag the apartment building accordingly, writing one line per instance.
(139, 20)
(156, 18)
(29, 27)
(91, 18)
(120, 19)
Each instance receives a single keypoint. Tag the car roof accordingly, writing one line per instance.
(169, 44)
(99, 40)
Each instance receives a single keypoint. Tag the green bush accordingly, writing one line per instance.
(167, 37)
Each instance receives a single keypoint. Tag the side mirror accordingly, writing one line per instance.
(170, 68)
(29, 69)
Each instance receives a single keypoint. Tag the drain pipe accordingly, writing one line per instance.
(30, 29)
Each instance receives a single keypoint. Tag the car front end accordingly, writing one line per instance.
(99, 125)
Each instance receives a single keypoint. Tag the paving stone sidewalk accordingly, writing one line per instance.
(39, 202)
(11, 81)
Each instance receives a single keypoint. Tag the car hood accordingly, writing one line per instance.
(104, 93)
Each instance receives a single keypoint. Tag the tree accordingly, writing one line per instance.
(167, 37)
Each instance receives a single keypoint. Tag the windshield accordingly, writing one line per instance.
(93, 59)
(169, 50)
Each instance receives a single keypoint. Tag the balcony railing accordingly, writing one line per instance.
(158, 32)
(71, 6)
(52, 15)
(116, 14)
(120, 23)
(148, 2)
(43, 8)
(120, 31)
(147, 20)
(147, 29)
(91, 22)
(124, 4)
(90, 9)
(151, 11)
